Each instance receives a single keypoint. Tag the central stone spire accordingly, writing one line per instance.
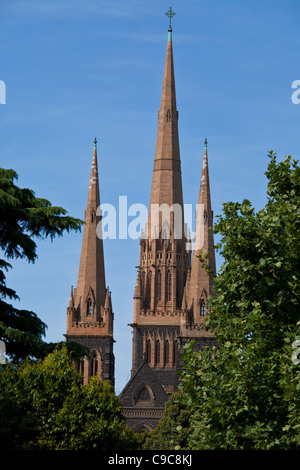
(169, 305)
(166, 180)
(164, 261)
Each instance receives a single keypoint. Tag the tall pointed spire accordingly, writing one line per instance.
(89, 314)
(164, 259)
(164, 316)
(201, 284)
(91, 276)
(166, 181)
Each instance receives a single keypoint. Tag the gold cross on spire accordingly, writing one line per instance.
(170, 13)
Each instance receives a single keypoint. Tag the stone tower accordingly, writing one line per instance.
(89, 314)
(168, 292)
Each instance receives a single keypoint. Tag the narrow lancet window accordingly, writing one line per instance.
(169, 286)
(94, 365)
(89, 307)
(148, 351)
(166, 352)
(202, 308)
(157, 352)
(158, 286)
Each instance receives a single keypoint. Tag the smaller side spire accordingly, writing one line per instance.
(71, 301)
(184, 305)
(107, 303)
(200, 281)
(138, 297)
(89, 294)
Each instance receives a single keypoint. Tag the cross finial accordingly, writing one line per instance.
(205, 143)
(170, 13)
(95, 143)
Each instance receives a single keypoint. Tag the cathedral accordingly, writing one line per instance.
(172, 287)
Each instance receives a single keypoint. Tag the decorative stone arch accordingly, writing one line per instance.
(142, 426)
(143, 396)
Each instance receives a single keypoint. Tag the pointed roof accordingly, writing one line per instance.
(91, 276)
(204, 239)
(138, 287)
(184, 305)
(71, 300)
(143, 375)
(94, 192)
(107, 299)
(166, 181)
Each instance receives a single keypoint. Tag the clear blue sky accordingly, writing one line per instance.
(76, 70)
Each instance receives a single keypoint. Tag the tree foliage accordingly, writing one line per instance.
(172, 431)
(24, 219)
(44, 405)
(245, 394)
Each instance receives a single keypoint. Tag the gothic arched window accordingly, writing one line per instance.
(175, 351)
(166, 352)
(143, 281)
(178, 296)
(158, 286)
(148, 351)
(143, 394)
(202, 308)
(157, 351)
(168, 116)
(94, 365)
(82, 360)
(169, 286)
(165, 232)
(149, 286)
(89, 307)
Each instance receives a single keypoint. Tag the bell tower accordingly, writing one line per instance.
(89, 313)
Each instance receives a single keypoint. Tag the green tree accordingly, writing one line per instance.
(245, 394)
(44, 405)
(24, 219)
(173, 429)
